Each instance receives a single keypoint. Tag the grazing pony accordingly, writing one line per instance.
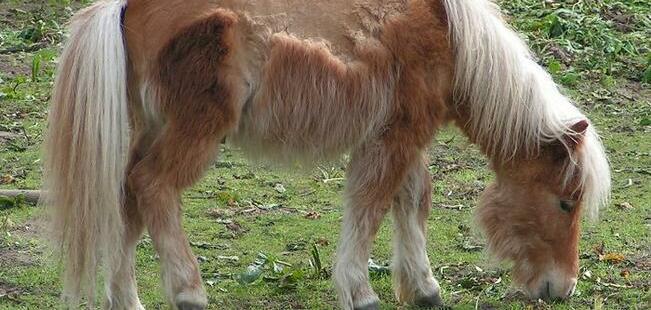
(146, 90)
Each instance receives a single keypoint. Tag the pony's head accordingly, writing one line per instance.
(530, 214)
(549, 162)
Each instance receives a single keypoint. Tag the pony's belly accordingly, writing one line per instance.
(336, 22)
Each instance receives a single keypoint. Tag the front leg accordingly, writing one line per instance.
(374, 176)
(412, 275)
(360, 225)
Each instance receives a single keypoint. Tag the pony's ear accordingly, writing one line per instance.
(576, 134)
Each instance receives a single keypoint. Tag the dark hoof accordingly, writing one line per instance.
(431, 301)
(372, 306)
(184, 305)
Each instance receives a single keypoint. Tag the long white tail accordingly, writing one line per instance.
(85, 148)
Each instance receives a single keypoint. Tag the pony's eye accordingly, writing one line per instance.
(567, 205)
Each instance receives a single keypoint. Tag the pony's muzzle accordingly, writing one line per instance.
(555, 290)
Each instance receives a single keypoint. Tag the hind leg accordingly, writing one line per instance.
(198, 86)
(374, 176)
(123, 291)
(412, 275)
(175, 161)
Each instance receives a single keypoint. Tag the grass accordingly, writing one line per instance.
(266, 238)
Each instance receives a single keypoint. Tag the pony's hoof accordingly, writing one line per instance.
(185, 305)
(370, 306)
(431, 301)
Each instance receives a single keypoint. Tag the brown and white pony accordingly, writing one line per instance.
(147, 89)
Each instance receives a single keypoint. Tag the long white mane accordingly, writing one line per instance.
(515, 106)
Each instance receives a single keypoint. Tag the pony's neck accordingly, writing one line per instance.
(460, 116)
(507, 104)
(505, 101)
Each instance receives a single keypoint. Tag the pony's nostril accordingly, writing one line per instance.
(544, 292)
(548, 292)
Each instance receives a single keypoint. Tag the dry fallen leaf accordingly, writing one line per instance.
(312, 215)
(600, 249)
(624, 206)
(231, 202)
(235, 227)
(219, 213)
(614, 258)
(228, 258)
(6, 179)
(280, 188)
(625, 273)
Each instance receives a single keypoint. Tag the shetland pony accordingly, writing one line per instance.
(146, 90)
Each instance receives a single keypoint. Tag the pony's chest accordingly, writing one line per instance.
(337, 22)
